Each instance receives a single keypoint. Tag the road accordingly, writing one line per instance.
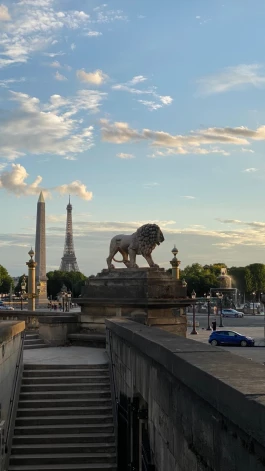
(246, 321)
(252, 326)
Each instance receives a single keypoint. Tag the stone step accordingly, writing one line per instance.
(62, 429)
(52, 404)
(57, 395)
(64, 372)
(62, 458)
(30, 341)
(61, 420)
(31, 336)
(65, 380)
(66, 467)
(64, 387)
(66, 448)
(63, 438)
(65, 411)
(35, 346)
(30, 366)
(88, 340)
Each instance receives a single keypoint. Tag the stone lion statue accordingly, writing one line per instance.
(142, 242)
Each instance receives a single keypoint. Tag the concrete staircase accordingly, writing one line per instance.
(64, 420)
(33, 340)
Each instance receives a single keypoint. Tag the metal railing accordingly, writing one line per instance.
(12, 409)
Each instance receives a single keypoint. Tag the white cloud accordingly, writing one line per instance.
(250, 170)
(96, 78)
(122, 155)
(120, 132)
(157, 101)
(54, 54)
(7, 82)
(73, 46)
(59, 77)
(69, 157)
(198, 17)
(4, 13)
(35, 26)
(109, 16)
(75, 188)
(188, 197)
(137, 79)
(53, 128)
(55, 64)
(247, 150)
(233, 78)
(151, 105)
(181, 150)
(93, 34)
(150, 185)
(14, 181)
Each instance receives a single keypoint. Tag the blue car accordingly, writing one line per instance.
(229, 337)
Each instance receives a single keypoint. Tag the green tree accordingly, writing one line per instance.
(5, 280)
(74, 281)
(201, 278)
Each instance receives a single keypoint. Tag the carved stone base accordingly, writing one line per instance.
(147, 295)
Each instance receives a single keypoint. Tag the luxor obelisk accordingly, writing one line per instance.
(40, 252)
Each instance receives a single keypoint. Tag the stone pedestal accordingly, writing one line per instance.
(147, 295)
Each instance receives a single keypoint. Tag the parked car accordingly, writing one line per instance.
(232, 313)
(3, 307)
(229, 337)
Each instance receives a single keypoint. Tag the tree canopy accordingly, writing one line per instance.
(72, 280)
(5, 280)
(247, 279)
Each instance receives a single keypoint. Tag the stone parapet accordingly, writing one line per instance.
(205, 407)
(147, 293)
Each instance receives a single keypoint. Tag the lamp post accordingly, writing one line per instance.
(194, 331)
(33, 290)
(208, 299)
(23, 289)
(253, 299)
(220, 297)
(69, 295)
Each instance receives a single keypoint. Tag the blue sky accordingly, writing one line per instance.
(142, 111)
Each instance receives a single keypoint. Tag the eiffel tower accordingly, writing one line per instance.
(69, 262)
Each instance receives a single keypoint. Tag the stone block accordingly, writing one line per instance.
(54, 330)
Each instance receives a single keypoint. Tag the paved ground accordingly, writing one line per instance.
(66, 355)
(256, 353)
(246, 321)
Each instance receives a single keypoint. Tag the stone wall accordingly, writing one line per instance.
(206, 407)
(10, 343)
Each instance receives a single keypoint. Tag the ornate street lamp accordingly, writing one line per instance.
(208, 299)
(253, 299)
(220, 297)
(194, 331)
(23, 289)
